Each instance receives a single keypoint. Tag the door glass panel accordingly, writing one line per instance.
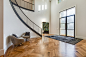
(70, 26)
(71, 11)
(62, 32)
(63, 14)
(62, 26)
(70, 19)
(70, 33)
(62, 20)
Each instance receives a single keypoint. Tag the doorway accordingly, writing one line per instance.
(67, 22)
(45, 27)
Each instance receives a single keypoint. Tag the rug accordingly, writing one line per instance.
(65, 39)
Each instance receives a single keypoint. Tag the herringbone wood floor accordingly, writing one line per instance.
(46, 47)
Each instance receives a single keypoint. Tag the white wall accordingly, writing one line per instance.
(13, 25)
(1, 28)
(80, 16)
(39, 17)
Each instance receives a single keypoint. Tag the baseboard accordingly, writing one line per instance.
(35, 37)
(81, 37)
(53, 33)
(1, 52)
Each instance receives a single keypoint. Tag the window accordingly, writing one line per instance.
(67, 22)
(39, 7)
(45, 6)
(42, 7)
(60, 1)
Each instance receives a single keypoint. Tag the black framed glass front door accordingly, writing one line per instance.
(67, 22)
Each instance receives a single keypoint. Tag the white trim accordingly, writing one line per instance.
(1, 52)
(54, 33)
(34, 36)
(81, 37)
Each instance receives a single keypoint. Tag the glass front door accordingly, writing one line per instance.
(67, 22)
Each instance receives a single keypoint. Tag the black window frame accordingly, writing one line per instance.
(67, 23)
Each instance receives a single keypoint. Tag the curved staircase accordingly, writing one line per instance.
(17, 5)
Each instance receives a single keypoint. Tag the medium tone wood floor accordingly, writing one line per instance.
(46, 47)
(2, 56)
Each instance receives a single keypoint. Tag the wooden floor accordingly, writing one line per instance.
(2, 56)
(46, 47)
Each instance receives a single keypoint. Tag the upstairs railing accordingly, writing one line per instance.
(21, 15)
(26, 4)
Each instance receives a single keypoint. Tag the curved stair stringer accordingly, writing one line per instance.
(21, 18)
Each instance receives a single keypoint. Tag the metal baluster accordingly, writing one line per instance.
(20, 3)
(27, 5)
(33, 25)
(41, 31)
(30, 6)
(27, 21)
(34, 5)
(24, 3)
(38, 29)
